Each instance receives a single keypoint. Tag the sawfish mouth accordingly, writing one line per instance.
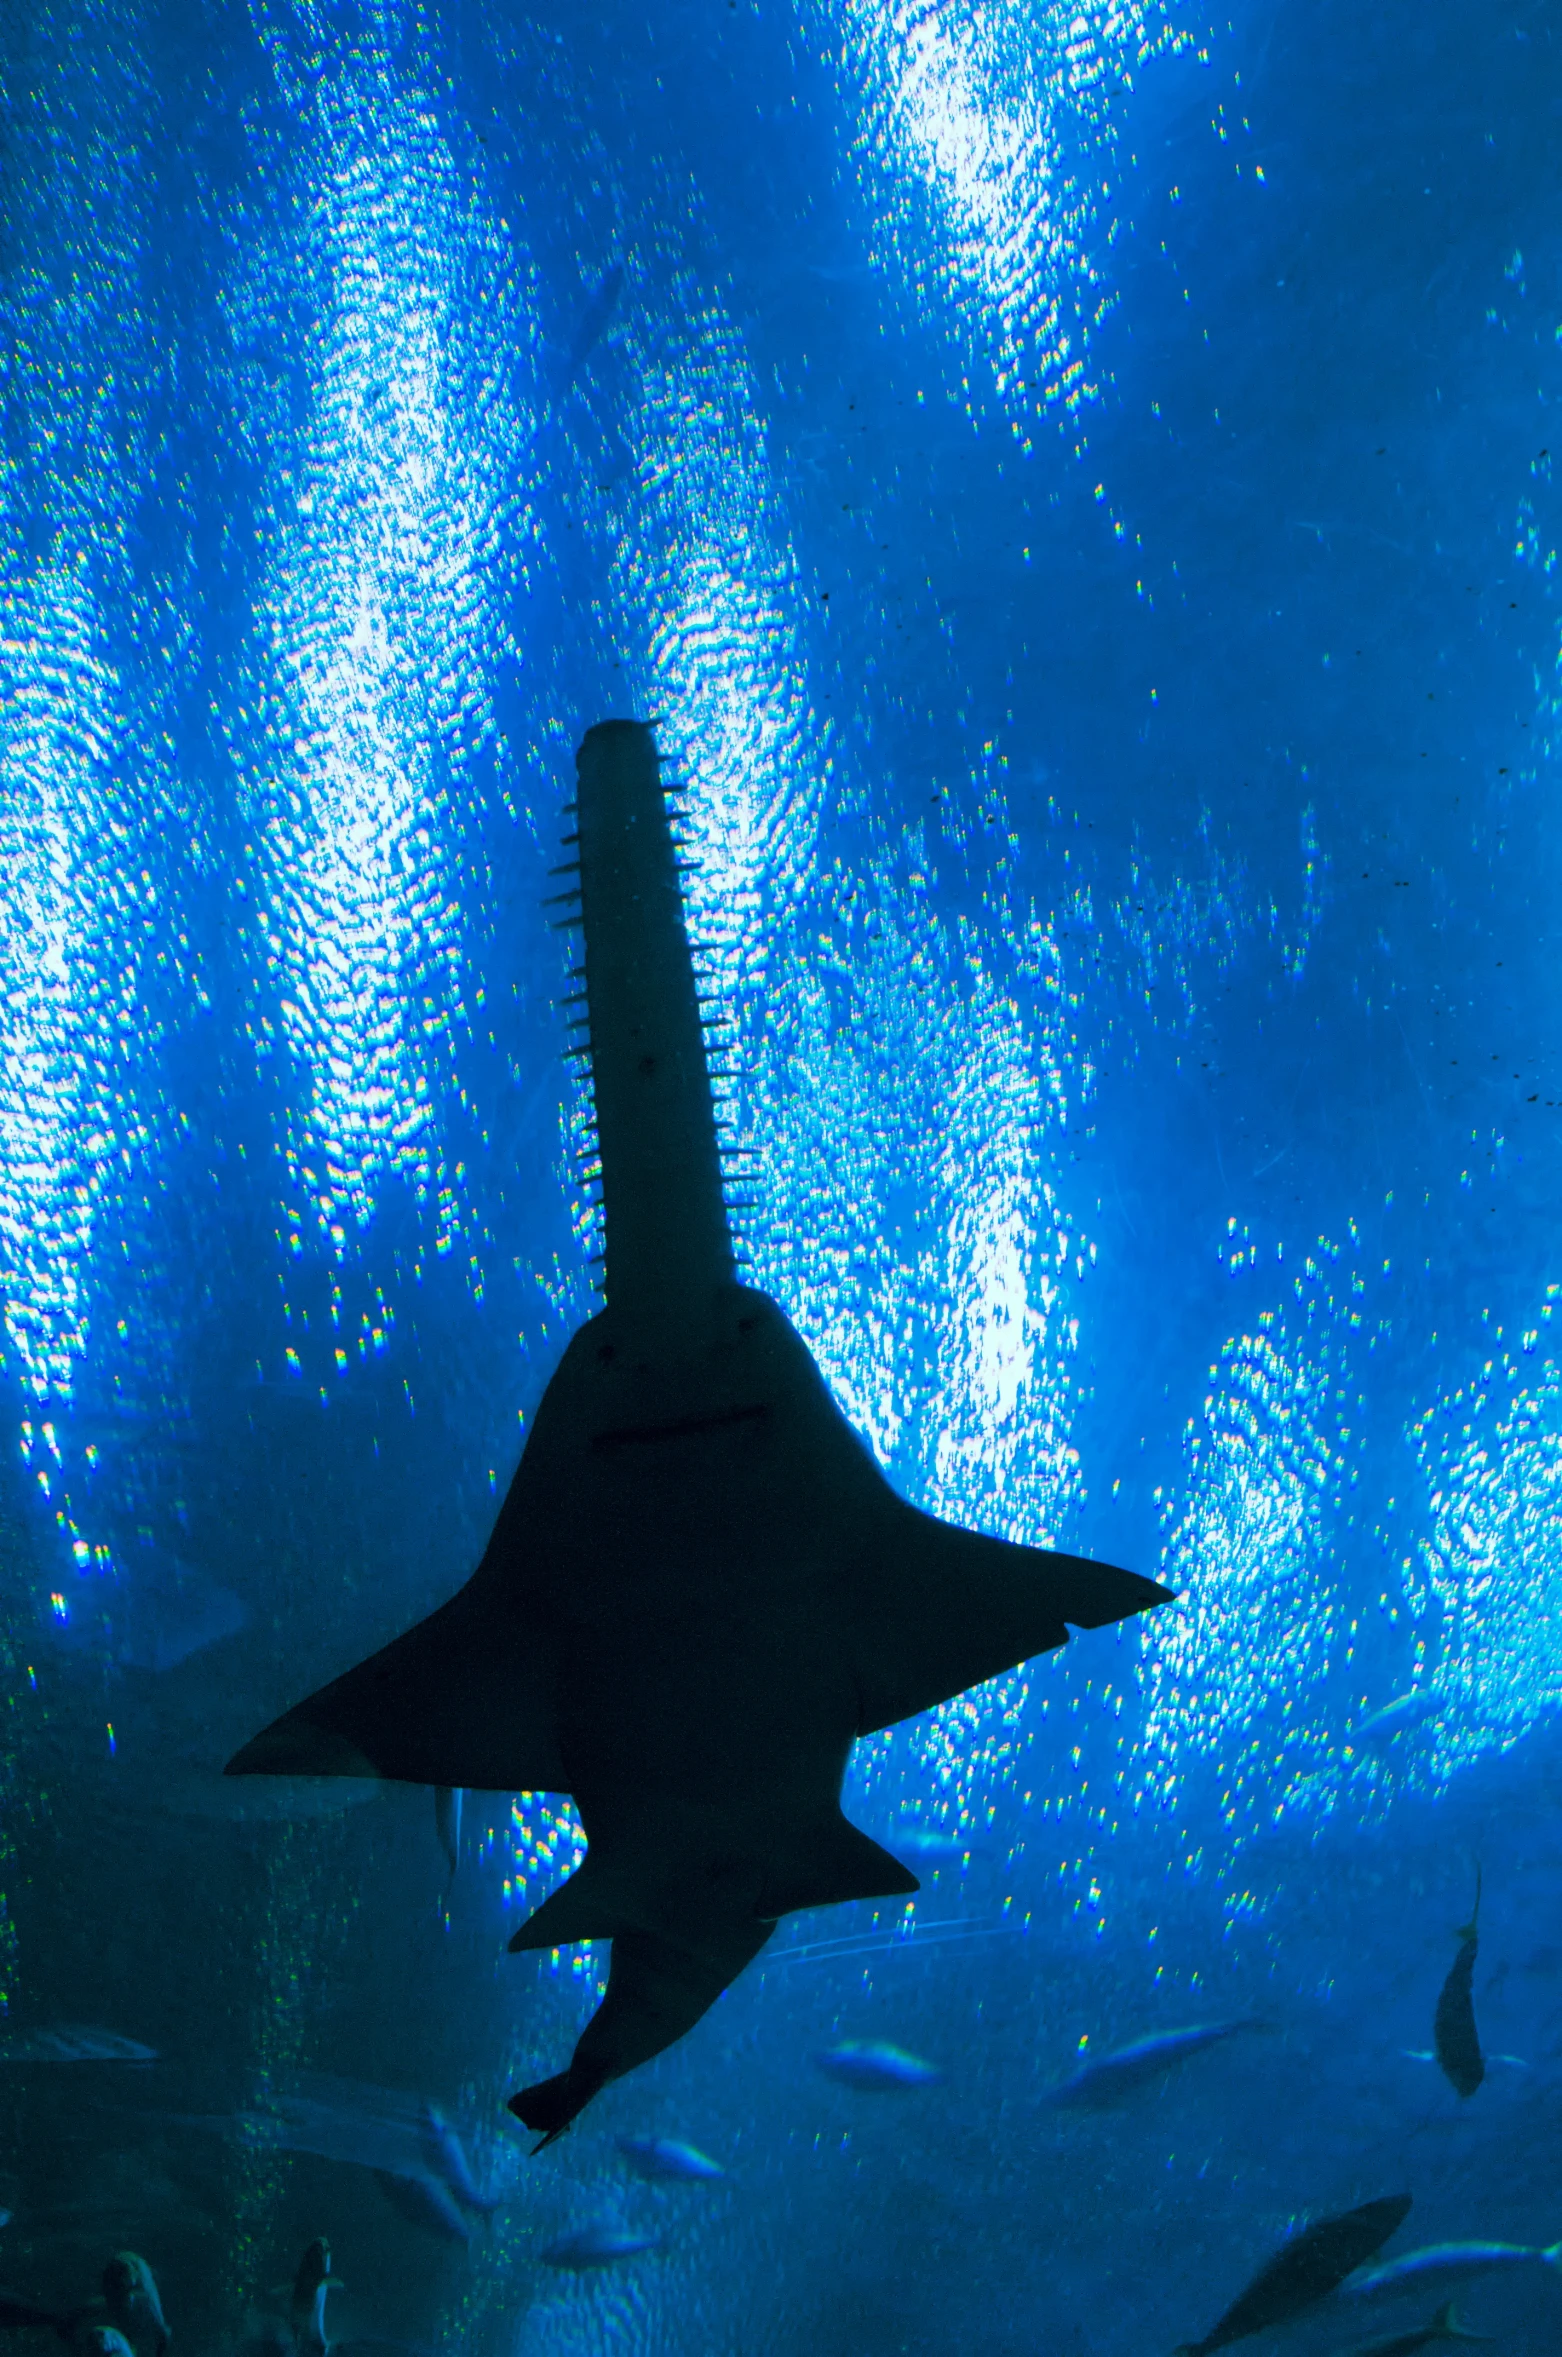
(625, 1436)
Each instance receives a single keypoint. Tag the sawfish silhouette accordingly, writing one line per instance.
(700, 1589)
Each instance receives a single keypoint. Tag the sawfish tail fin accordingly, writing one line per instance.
(666, 1237)
(553, 2104)
(657, 1989)
(943, 1608)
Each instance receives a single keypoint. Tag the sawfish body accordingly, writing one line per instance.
(700, 1589)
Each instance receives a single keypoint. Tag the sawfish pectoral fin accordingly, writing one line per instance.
(832, 1863)
(455, 1701)
(942, 1608)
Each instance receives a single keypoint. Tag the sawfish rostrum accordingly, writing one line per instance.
(700, 1589)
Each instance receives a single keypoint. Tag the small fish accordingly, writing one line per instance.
(134, 2305)
(931, 1848)
(1437, 2261)
(662, 2160)
(590, 327)
(594, 320)
(1106, 2079)
(875, 2067)
(310, 2285)
(1454, 2034)
(1512, 2062)
(1444, 2326)
(424, 2202)
(73, 2043)
(376, 2128)
(447, 1823)
(126, 2321)
(1305, 2270)
(1406, 1710)
(448, 2163)
(596, 2246)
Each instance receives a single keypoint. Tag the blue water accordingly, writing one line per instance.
(1073, 485)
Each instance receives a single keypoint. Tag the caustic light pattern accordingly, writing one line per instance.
(1482, 1585)
(394, 528)
(910, 1081)
(705, 588)
(515, 414)
(983, 146)
(67, 1009)
(1235, 1687)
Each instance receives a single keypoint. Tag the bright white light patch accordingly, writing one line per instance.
(1490, 1563)
(1234, 1677)
(707, 581)
(66, 977)
(381, 597)
(982, 146)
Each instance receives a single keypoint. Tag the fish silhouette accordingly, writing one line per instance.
(1305, 2270)
(1454, 2034)
(421, 2199)
(591, 325)
(1440, 2262)
(307, 2306)
(596, 2246)
(127, 2318)
(664, 2160)
(1107, 2079)
(701, 1589)
(1444, 2326)
(73, 2042)
(876, 2068)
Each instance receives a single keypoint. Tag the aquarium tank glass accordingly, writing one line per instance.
(1069, 484)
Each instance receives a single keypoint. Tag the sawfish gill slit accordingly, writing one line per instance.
(666, 1240)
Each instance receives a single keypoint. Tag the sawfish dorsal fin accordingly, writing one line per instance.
(456, 1701)
(940, 1609)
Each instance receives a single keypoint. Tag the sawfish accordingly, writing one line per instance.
(701, 1589)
